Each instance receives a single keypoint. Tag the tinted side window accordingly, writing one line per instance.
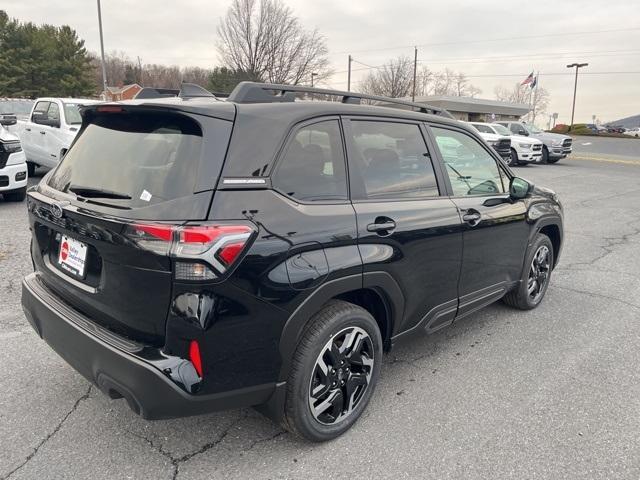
(515, 128)
(40, 109)
(471, 169)
(54, 111)
(392, 160)
(312, 168)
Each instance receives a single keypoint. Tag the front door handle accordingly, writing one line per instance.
(382, 226)
(43, 133)
(472, 217)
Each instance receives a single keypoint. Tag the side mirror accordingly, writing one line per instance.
(523, 132)
(519, 188)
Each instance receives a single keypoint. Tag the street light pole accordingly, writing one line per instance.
(415, 68)
(349, 75)
(575, 88)
(104, 70)
(313, 74)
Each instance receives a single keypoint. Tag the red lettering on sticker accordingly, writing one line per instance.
(64, 251)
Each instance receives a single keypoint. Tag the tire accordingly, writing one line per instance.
(31, 168)
(545, 154)
(553, 160)
(16, 195)
(513, 159)
(539, 266)
(319, 352)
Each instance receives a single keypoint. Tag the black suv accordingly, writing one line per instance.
(193, 254)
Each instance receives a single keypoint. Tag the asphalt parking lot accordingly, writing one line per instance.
(551, 393)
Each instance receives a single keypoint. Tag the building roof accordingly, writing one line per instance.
(474, 105)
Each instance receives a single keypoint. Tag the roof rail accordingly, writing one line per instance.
(252, 92)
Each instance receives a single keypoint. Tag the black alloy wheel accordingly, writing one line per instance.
(334, 372)
(341, 375)
(538, 274)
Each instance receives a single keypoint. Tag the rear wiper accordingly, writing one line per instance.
(90, 192)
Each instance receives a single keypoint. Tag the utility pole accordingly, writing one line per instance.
(415, 68)
(535, 97)
(140, 71)
(349, 75)
(575, 88)
(104, 70)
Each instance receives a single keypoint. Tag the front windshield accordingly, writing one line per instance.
(501, 130)
(532, 129)
(72, 113)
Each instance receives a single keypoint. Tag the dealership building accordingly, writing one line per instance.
(475, 109)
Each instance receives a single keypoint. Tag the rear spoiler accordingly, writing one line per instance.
(187, 90)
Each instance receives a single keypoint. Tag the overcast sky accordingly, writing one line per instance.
(454, 34)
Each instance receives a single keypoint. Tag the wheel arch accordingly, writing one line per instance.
(551, 226)
(376, 292)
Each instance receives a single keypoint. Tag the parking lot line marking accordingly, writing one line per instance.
(608, 160)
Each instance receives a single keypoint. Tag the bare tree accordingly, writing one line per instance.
(537, 99)
(264, 39)
(448, 82)
(393, 79)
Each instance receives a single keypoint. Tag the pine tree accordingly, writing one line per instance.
(44, 60)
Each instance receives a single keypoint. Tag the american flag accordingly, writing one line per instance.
(528, 80)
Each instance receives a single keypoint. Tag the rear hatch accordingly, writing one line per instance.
(102, 220)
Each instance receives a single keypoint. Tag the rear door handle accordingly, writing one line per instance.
(43, 133)
(382, 226)
(27, 129)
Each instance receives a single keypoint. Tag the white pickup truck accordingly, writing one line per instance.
(52, 125)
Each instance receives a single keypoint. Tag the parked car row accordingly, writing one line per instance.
(47, 130)
(528, 144)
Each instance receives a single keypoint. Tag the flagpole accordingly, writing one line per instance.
(535, 95)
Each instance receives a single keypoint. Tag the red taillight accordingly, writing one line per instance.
(210, 233)
(230, 252)
(194, 357)
(194, 246)
(110, 109)
(161, 232)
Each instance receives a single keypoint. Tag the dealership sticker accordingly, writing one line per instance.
(72, 255)
(146, 196)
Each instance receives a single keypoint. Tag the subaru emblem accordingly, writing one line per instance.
(56, 209)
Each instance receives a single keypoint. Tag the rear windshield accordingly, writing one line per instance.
(135, 159)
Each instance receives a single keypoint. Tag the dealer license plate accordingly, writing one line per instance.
(72, 256)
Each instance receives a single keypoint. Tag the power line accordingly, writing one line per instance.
(462, 42)
(543, 56)
(499, 75)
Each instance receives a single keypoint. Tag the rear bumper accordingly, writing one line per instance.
(111, 363)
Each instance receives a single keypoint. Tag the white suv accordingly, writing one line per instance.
(13, 166)
(524, 150)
